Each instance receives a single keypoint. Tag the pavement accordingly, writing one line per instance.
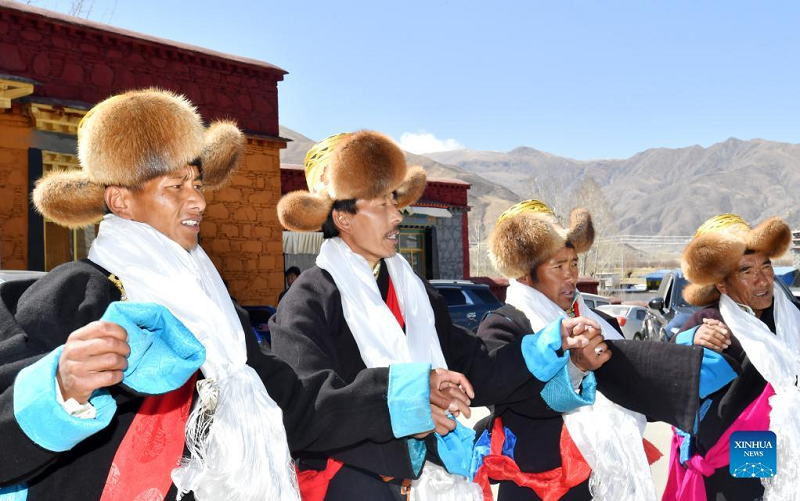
(659, 434)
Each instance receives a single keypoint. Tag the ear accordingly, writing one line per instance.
(721, 287)
(117, 200)
(343, 221)
(526, 280)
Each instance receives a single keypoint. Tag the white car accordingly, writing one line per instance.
(630, 318)
(9, 275)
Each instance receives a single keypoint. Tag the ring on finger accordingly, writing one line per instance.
(598, 350)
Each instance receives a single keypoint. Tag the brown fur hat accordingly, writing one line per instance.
(129, 139)
(528, 234)
(718, 246)
(359, 165)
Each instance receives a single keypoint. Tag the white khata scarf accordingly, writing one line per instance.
(381, 342)
(235, 434)
(777, 359)
(609, 436)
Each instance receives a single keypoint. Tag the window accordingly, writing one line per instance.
(455, 297)
(589, 302)
(486, 296)
(61, 244)
(640, 314)
(412, 247)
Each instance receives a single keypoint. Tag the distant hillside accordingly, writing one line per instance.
(661, 191)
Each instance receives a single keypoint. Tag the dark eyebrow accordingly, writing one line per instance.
(745, 267)
(767, 261)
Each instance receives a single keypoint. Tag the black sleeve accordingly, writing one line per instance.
(35, 318)
(348, 421)
(495, 375)
(498, 329)
(659, 380)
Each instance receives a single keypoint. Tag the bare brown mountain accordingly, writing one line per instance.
(661, 191)
(487, 199)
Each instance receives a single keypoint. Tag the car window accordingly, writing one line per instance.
(485, 296)
(600, 302)
(589, 302)
(668, 294)
(640, 314)
(455, 297)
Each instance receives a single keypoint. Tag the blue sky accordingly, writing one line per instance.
(579, 79)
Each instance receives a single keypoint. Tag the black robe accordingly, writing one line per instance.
(726, 405)
(641, 376)
(309, 332)
(36, 317)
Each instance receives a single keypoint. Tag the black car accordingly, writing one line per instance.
(467, 302)
(668, 311)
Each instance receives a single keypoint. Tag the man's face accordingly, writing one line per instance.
(374, 228)
(172, 204)
(751, 283)
(556, 278)
(290, 278)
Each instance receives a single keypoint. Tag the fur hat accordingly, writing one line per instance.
(528, 234)
(129, 139)
(717, 247)
(359, 165)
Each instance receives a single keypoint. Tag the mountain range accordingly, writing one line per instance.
(660, 191)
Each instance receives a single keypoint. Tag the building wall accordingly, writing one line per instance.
(81, 61)
(448, 243)
(15, 138)
(243, 236)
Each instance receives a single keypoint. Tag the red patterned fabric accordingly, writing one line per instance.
(314, 484)
(151, 448)
(548, 485)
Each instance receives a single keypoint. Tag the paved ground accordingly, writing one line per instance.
(659, 434)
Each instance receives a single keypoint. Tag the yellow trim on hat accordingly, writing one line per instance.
(721, 222)
(531, 205)
(317, 160)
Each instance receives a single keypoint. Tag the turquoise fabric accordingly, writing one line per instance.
(409, 396)
(17, 492)
(559, 394)
(164, 353)
(42, 418)
(540, 352)
(417, 450)
(455, 449)
(715, 372)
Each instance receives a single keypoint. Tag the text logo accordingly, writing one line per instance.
(753, 454)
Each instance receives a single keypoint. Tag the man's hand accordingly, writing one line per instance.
(713, 334)
(94, 357)
(582, 336)
(450, 392)
(577, 332)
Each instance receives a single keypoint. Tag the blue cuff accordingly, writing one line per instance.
(43, 419)
(686, 337)
(715, 372)
(559, 394)
(17, 492)
(540, 352)
(455, 449)
(685, 452)
(416, 450)
(164, 353)
(409, 398)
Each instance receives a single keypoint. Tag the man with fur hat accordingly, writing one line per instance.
(596, 452)
(362, 306)
(756, 328)
(97, 396)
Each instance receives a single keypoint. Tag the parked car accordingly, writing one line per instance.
(467, 302)
(594, 301)
(668, 311)
(629, 317)
(9, 275)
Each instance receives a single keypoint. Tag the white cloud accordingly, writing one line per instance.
(425, 142)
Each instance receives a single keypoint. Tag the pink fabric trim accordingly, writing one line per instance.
(686, 483)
